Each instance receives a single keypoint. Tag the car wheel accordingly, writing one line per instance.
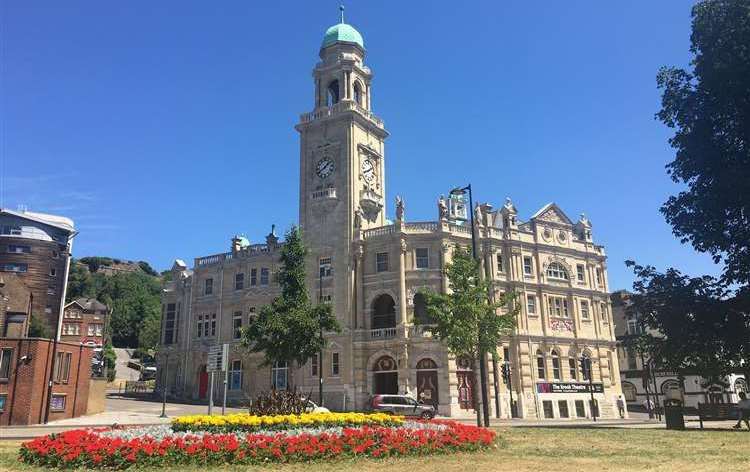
(426, 415)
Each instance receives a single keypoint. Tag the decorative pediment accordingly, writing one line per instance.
(553, 214)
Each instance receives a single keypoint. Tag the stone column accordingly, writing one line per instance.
(359, 310)
(402, 282)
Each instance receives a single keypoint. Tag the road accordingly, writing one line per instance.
(122, 371)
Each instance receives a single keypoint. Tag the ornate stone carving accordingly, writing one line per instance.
(403, 245)
(561, 324)
(400, 208)
(442, 209)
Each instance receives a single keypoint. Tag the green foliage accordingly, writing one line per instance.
(709, 109)
(39, 329)
(465, 319)
(110, 361)
(95, 262)
(147, 269)
(289, 328)
(150, 332)
(695, 325)
(80, 282)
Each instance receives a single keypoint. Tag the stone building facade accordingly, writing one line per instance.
(372, 271)
(84, 321)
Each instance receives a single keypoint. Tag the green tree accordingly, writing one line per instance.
(80, 282)
(709, 109)
(464, 319)
(39, 329)
(110, 361)
(150, 332)
(288, 329)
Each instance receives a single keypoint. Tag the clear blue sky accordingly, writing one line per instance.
(163, 128)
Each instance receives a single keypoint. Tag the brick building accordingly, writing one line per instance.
(83, 322)
(15, 306)
(24, 370)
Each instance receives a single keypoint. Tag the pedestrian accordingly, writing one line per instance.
(621, 406)
(744, 406)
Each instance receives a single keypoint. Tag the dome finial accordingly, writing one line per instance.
(341, 9)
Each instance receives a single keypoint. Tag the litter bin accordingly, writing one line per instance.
(673, 414)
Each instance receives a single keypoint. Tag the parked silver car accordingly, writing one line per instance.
(402, 405)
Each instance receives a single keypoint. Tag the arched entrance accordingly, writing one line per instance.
(202, 382)
(630, 392)
(465, 378)
(385, 376)
(427, 382)
(383, 312)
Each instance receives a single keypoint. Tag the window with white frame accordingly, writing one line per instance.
(422, 255)
(581, 272)
(527, 265)
(558, 307)
(634, 327)
(573, 368)
(531, 304)
(5, 356)
(325, 267)
(599, 277)
(62, 367)
(555, 270)
(279, 375)
(584, 309)
(604, 312)
(235, 375)
(499, 263)
(335, 364)
(237, 325)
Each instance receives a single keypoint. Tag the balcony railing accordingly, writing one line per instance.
(326, 193)
(383, 333)
(345, 105)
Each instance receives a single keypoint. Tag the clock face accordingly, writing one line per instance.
(325, 167)
(368, 170)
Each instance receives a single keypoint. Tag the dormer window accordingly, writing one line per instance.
(556, 271)
(332, 95)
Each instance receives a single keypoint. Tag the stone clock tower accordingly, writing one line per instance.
(342, 169)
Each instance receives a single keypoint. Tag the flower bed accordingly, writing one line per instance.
(161, 446)
(245, 422)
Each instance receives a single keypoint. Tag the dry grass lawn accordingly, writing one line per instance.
(543, 449)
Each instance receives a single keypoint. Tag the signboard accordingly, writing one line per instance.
(218, 357)
(569, 388)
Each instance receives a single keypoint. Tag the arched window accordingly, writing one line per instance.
(426, 364)
(555, 365)
(555, 270)
(279, 375)
(630, 392)
(358, 94)
(332, 95)
(385, 376)
(573, 367)
(587, 371)
(740, 386)
(383, 312)
(541, 371)
(420, 310)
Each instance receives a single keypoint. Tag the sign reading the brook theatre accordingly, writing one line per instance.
(569, 388)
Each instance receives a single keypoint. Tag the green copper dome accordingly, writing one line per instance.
(342, 33)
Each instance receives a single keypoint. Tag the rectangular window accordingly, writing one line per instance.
(209, 287)
(531, 304)
(90, 330)
(422, 255)
(580, 409)
(555, 367)
(264, 276)
(3, 400)
(48, 309)
(548, 411)
(581, 272)
(19, 249)
(562, 406)
(326, 298)
(5, 356)
(62, 367)
(169, 324)
(52, 272)
(527, 267)
(14, 267)
(213, 324)
(584, 309)
(381, 262)
(253, 277)
(51, 290)
(200, 326)
(57, 402)
(335, 364)
(325, 267)
(599, 278)
(99, 330)
(235, 375)
(540, 370)
(239, 281)
(604, 312)
(573, 366)
(558, 307)
(499, 262)
(632, 361)
(237, 325)
(314, 365)
(12, 230)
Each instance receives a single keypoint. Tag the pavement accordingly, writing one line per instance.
(122, 371)
(139, 412)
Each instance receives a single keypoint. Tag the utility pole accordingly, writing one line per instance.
(164, 388)
(320, 322)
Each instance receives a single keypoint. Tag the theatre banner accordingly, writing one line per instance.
(549, 387)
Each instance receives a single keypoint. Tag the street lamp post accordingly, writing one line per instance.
(482, 354)
(320, 322)
(164, 388)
